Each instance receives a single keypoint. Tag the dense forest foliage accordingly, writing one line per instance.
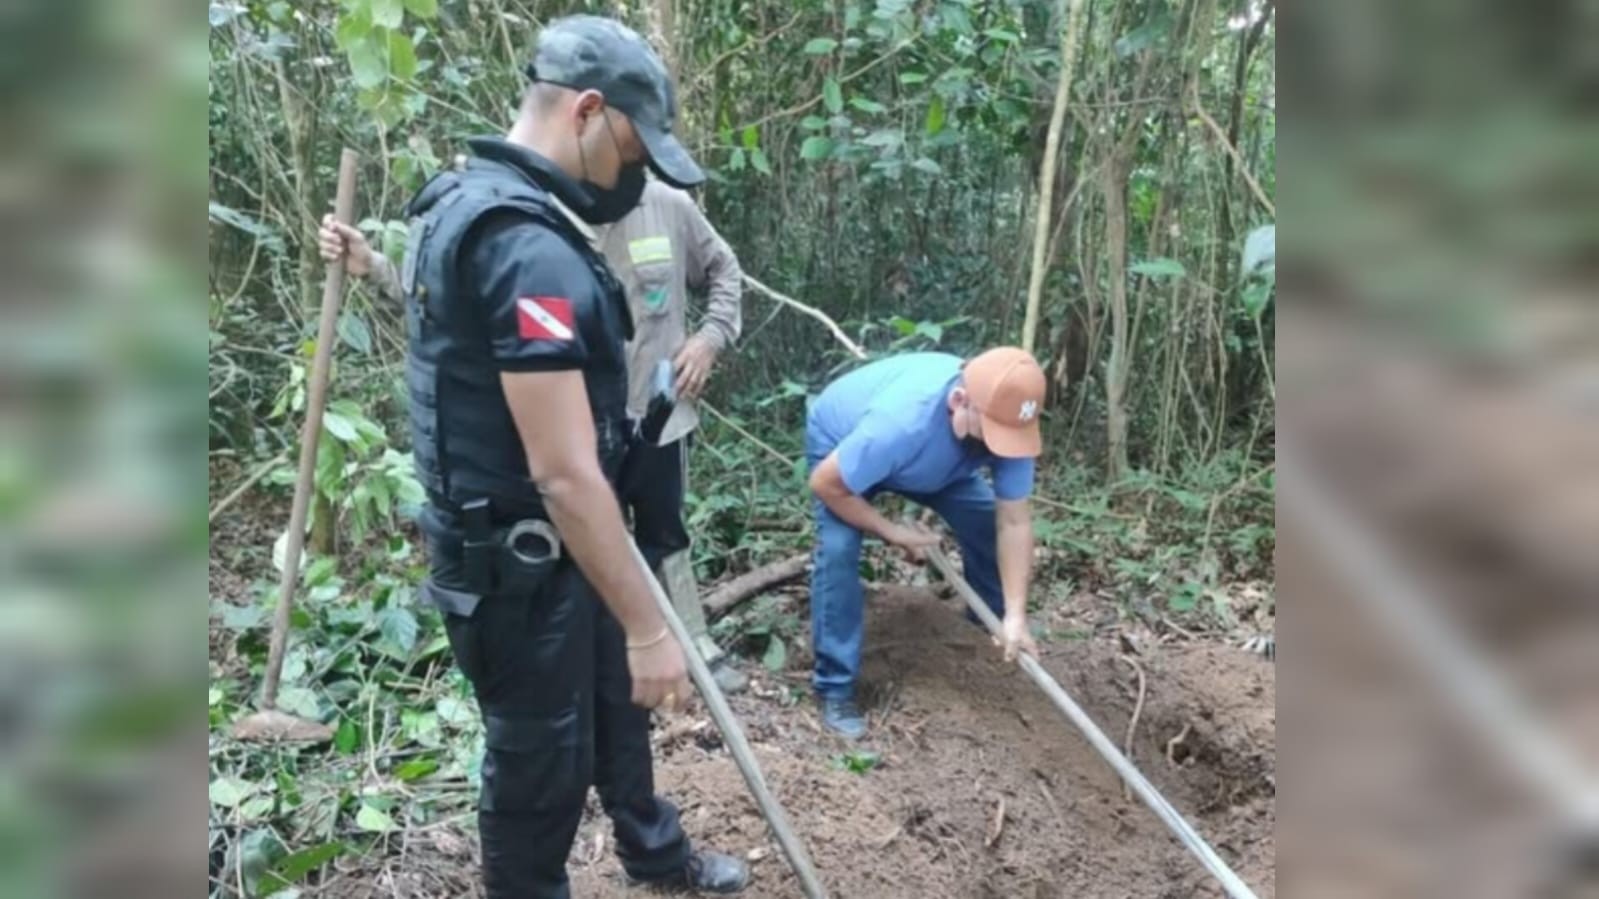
(882, 161)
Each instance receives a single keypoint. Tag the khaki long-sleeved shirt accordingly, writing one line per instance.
(661, 251)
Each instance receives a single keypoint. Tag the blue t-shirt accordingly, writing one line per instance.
(890, 423)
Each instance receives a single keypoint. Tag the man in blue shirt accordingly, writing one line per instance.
(920, 425)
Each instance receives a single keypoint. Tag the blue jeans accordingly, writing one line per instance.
(838, 620)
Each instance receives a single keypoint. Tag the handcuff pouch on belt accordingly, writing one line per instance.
(512, 560)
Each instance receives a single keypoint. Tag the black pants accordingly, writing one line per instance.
(651, 491)
(550, 674)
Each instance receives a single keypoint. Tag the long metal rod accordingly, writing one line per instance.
(732, 734)
(1146, 791)
(1466, 677)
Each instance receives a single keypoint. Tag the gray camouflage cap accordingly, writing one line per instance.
(594, 53)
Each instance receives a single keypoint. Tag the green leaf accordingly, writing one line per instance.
(820, 46)
(296, 865)
(339, 426)
(229, 792)
(857, 761)
(1159, 267)
(422, 9)
(1260, 249)
(935, 115)
(1185, 599)
(452, 710)
(347, 738)
(355, 333)
(398, 626)
(416, 769)
(760, 162)
(367, 64)
(816, 147)
(256, 808)
(373, 820)
(886, 138)
(928, 166)
(776, 654)
(234, 218)
(735, 161)
(751, 137)
(912, 77)
(388, 13)
(1003, 36)
(813, 123)
(1255, 298)
(353, 28)
(299, 701)
(402, 56)
(867, 106)
(381, 496)
(833, 96)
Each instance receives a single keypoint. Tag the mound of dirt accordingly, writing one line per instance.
(982, 788)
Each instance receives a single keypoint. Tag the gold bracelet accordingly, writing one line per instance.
(665, 629)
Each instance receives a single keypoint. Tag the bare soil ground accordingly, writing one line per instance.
(983, 788)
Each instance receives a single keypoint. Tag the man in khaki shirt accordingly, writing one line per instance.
(661, 250)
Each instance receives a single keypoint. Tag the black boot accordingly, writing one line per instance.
(706, 872)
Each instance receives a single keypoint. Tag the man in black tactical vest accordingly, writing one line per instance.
(518, 386)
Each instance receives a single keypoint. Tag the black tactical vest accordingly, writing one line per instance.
(464, 440)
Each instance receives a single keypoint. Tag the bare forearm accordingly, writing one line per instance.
(1015, 534)
(584, 511)
(856, 512)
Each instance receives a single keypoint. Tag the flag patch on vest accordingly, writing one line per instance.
(544, 318)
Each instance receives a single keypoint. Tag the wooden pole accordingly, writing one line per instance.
(1146, 791)
(315, 401)
(798, 858)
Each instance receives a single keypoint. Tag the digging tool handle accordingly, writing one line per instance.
(315, 401)
(733, 736)
(1146, 791)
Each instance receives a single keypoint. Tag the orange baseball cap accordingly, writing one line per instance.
(1006, 387)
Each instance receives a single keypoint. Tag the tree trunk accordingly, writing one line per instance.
(661, 17)
(1114, 185)
(1046, 178)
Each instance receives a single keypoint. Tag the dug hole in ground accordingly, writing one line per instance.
(958, 735)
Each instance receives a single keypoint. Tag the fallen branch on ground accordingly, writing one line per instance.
(752, 583)
(852, 346)
(1132, 725)
(1174, 742)
(233, 497)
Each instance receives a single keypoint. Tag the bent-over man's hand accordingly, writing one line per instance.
(693, 365)
(1014, 637)
(336, 239)
(912, 539)
(660, 675)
